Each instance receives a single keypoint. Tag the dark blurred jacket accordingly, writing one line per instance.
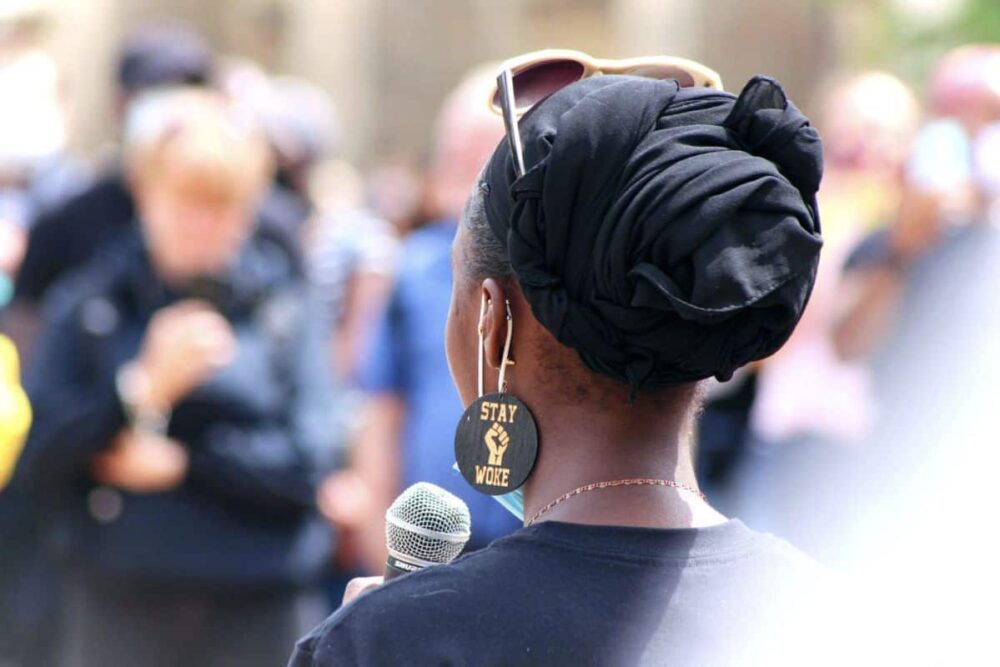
(260, 433)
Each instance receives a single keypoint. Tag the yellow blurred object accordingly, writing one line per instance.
(15, 411)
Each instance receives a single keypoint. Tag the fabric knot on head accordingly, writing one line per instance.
(666, 234)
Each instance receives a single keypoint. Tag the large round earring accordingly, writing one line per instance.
(496, 442)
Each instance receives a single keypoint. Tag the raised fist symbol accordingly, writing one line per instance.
(497, 441)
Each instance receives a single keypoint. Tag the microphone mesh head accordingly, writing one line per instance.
(427, 524)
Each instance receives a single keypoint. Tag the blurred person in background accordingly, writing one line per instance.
(66, 237)
(409, 418)
(918, 306)
(182, 420)
(36, 174)
(351, 257)
(301, 127)
(812, 411)
(350, 253)
(159, 55)
(396, 192)
(945, 203)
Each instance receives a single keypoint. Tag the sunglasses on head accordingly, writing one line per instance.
(527, 79)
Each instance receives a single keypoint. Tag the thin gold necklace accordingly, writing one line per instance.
(634, 481)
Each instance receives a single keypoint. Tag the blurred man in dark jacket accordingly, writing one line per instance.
(65, 237)
(183, 412)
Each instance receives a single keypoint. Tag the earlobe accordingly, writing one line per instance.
(483, 308)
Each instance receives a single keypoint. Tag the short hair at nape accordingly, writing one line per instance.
(487, 256)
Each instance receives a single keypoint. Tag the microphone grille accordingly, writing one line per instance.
(427, 524)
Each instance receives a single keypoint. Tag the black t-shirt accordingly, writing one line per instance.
(569, 594)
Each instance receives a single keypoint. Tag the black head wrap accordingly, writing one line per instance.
(668, 235)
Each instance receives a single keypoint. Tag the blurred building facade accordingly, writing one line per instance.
(388, 63)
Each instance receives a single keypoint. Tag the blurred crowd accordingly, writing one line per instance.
(231, 340)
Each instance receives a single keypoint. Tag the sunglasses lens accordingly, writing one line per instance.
(683, 78)
(540, 80)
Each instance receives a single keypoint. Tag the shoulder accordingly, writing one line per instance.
(798, 589)
(402, 619)
(76, 210)
(806, 605)
(767, 553)
(99, 280)
(385, 623)
(65, 233)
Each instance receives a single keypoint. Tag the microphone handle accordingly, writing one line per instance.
(395, 567)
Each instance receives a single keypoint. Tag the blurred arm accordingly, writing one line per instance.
(376, 446)
(376, 459)
(874, 282)
(76, 416)
(870, 300)
(366, 297)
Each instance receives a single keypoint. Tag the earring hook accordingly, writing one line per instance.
(506, 361)
(482, 344)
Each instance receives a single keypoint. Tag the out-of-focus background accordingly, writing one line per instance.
(221, 417)
(388, 63)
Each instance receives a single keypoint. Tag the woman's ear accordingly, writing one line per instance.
(494, 322)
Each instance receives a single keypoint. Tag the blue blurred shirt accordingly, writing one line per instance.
(407, 357)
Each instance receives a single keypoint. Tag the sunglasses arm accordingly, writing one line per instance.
(505, 85)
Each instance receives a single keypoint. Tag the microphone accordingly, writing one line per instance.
(424, 526)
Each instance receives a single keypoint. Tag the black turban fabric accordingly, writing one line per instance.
(668, 235)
